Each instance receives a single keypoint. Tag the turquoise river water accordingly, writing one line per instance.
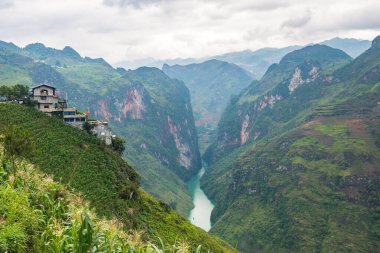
(200, 215)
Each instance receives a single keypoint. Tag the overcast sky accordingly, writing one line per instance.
(119, 30)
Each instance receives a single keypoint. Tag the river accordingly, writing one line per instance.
(201, 214)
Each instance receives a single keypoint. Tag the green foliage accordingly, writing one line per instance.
(90, 83)
(40, 215)
(17, 142)
(88, 127)
(118, 144)
(17, 91)
(82, 162)
(309, 181)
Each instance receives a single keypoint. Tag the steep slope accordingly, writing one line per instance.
(84, 163)
(306, 176)
(57, 219)
(147, 108)
(211, 84)
(239, 125)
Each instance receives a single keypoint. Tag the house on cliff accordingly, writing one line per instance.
(48, 101)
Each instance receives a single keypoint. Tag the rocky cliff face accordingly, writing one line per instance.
(300, 166)
(211, 84)
(239, 122)
(175, 133)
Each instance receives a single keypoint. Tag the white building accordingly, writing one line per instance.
(102, 130)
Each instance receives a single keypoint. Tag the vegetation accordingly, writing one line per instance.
(108, 93)
(82, 163)
(88, 127)
(307, 179)
(118, 144)
(40, 215)
(17, 91)
(16, 142)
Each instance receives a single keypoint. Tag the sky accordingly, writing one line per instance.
(128, 30)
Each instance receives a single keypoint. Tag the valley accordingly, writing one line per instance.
(293, 156)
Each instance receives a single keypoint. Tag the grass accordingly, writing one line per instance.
(81, 162)
(40, 215)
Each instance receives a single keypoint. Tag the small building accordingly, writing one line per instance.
(102, 130)
(71, 117)
(46, 98)
(48, 101)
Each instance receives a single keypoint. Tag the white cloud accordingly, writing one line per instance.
(132, 29)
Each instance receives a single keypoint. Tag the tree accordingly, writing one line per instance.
(20, 91)
(88, 127)
(118, 144)
(16, 142)
(4, 91)
(17, 91)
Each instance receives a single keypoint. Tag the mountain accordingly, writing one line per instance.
(211, 84)
(238, 123)
(100, 181)
(352, 47)
(151, 111)
(296, 164)
(256, 62)
(151, 62)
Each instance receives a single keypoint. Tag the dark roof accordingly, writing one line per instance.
(47, 85)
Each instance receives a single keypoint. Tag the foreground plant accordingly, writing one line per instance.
(40, 215)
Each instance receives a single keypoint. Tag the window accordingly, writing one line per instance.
(68, 113)
(44, 92)
(46, 106)
(43, 98)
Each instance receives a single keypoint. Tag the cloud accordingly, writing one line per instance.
(134, 3)
(297, 22)
(120, 30)
(6, 4)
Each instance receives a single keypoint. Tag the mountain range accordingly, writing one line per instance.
(292, 151)
(295, 167)
(256, 62)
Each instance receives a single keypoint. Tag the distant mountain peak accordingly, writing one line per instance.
(35, 46)
(376, 41)
(69, 51)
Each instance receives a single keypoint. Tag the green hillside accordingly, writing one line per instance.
(40, 215)
(304, 174)
(81, 162)
(144, 106)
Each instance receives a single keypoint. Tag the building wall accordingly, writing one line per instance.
(49, 103)
(103, 132)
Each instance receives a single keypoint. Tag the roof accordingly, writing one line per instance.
(47, 85)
